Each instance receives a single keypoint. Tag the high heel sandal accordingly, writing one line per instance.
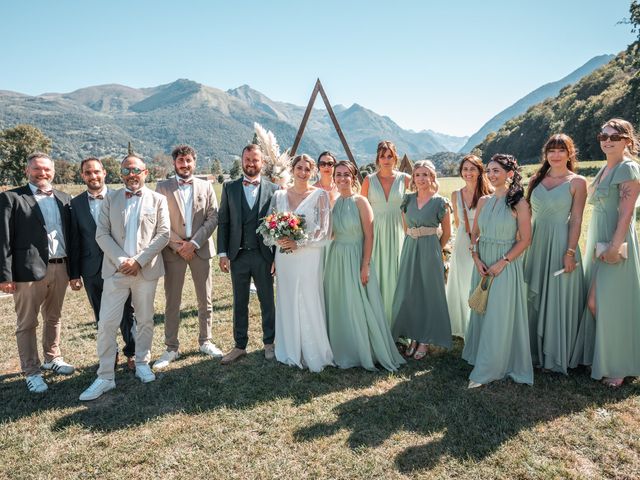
(420, 354)
(613, 382)
(411, 349)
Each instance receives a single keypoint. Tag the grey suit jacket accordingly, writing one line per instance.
(204, 215)
(230, 217)
(153, 233)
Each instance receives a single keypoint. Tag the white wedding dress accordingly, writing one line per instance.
(301, 331)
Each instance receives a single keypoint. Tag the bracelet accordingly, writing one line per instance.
(570, 252)
(504, 257)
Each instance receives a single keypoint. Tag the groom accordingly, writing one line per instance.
(243, 204)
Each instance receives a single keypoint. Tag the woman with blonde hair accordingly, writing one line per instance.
(555, 302)
(420, 310)
(301, 334)
(358, 332)
(609, 336)
(385, 189)
(464, 202)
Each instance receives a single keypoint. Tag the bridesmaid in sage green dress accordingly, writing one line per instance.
(609, 336)
(497, 342)
(420, 311)
(384, 189)
(358, 332)
(557, 197)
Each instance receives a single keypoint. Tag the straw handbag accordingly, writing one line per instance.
(479, 297)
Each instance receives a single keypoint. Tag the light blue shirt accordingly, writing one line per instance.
(96, 204)
(52, 221)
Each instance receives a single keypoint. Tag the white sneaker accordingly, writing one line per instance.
(35, 384)
(97, 388)
(58, 365)
(165, 359)
(144, 373)
(210, 349)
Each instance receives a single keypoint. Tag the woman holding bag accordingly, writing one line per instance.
(497, 341)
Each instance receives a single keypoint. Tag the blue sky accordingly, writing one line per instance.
(447, 66)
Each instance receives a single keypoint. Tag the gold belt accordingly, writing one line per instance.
(416, 232)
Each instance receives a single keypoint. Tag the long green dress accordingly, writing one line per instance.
(420, 309)
(555, 303)
(497, 343)
(388, 234)
(358, 332)
(610, 343)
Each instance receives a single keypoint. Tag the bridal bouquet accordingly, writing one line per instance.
(282, 225)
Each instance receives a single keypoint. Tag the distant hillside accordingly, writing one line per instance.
(538, 95)
(612, 90)
(101, 120)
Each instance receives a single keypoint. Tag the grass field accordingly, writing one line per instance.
(259, 419)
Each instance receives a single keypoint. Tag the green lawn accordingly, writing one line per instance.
(259, 419)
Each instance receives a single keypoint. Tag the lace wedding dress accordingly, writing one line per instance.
(301, 332)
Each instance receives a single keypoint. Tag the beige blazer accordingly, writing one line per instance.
(153, 233)
(204, 215)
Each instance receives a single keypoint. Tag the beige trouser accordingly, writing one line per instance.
(45, 295)
(114, 295)
(175, 268)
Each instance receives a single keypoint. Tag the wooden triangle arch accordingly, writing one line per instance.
(405, 165)
(296, 143)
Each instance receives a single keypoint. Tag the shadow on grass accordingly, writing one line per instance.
(193, 388)
(464, 423)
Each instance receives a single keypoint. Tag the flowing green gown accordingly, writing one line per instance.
(420, 309)
(610, 342)
(497, 343)
(555, 304)
(388, 234)
(358, 332)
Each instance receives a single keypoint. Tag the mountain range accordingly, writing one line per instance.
(101, 120)
(540, 94)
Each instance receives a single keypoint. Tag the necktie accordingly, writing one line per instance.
(96, 197)
(129, 194)
(182, 182)
(246, 183)
(48, 193)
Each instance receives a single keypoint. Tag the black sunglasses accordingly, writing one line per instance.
(326, 164)
(615, 137)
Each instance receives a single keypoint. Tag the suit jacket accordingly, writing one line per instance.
(230, 216)
(85, 255)
(204, 215)
(153, 233)
(24, 249)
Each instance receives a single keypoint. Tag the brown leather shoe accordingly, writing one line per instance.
(232, 356)
(131, 363)
(269, 351)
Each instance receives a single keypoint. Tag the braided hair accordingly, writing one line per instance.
(515, 192)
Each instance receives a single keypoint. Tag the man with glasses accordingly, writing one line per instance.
(34, 236)
(133, 228)
(86, 256)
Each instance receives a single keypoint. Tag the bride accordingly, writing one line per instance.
(301, 332)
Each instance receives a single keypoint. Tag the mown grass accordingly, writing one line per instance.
(259, 419)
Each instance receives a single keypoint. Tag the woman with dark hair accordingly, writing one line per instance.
(609, 336)
(301, 332)
(420, 304)
(464, 202)
(358, 332)
(497, 341)
(557, 196)
(326, 165)
(385, 189)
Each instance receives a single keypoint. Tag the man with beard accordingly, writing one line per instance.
(244, 203)
(34, 236)
(133, 228)
(193, 210)
(86, 256)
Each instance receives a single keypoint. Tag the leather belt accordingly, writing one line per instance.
(416, 232)
(58, 260)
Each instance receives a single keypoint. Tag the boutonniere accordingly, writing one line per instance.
(200, 198)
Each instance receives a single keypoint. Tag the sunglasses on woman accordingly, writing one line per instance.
(326, 164)
(614, 137)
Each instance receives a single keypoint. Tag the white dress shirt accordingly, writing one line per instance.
(131, 220)
(52, 221)
(185, 193)
(95, 204)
